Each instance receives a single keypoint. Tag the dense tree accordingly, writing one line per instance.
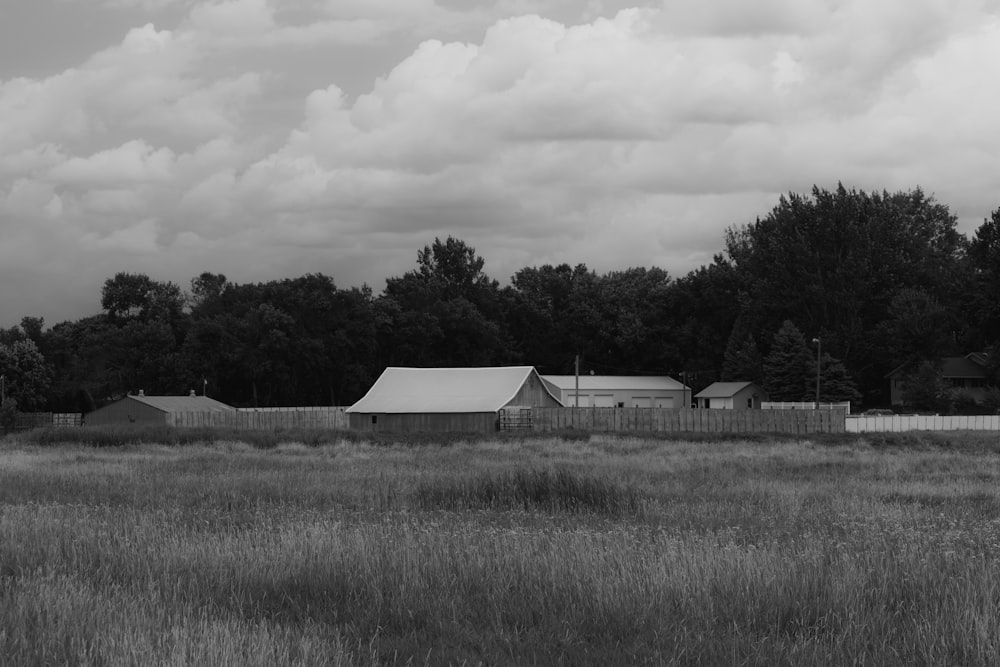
(743, 361)
(136, 296)
(923, 388)
(917, 326)
(984, 256)
(789, 367)
(702, 307)
(207, 289)
(835, 260)
(882, 278)
(26, 375)
(446, 312)
(552, 316)
(836, 384)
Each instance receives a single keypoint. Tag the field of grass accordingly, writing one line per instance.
(601, 550)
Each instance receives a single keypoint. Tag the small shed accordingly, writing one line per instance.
(731, 396)
(619, 391)
(448, 399)
(152, 410)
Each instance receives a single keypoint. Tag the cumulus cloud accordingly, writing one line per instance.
(244, 139)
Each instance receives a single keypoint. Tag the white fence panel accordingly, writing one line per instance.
(897, 423)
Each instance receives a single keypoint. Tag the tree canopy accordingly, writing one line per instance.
(881, 278)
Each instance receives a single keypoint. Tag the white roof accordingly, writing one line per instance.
(616, 382)
(444, 390)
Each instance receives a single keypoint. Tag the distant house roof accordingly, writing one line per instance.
(972, 365)
(183, 403)
(968, 366)
(615, 382)
(445, 390)
(723, 389)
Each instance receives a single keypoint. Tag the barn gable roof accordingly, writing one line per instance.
(172, 404)
(445, 390)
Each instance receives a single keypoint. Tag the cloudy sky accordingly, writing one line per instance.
(266, 139)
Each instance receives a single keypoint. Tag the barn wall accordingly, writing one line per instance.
(126, 411)
(469, 422)
(533, 393)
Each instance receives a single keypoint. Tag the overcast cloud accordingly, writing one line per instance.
(266, 139)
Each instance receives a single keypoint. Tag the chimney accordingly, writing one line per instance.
(192, 393)
(142, 392)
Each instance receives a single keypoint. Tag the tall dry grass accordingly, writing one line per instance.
(612, 551)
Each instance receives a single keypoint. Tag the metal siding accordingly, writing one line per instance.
(534, 393)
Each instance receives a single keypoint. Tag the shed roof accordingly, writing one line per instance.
(183, 403)
(616, 382)
(722, 389)
(444, 390)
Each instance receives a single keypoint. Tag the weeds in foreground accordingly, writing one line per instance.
(621, 552)
(559, 490)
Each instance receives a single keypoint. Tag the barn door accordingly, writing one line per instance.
(515, 418)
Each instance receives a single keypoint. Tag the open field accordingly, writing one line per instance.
(537, 551)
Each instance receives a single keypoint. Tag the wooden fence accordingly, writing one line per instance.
(665, 420)
(264, 419)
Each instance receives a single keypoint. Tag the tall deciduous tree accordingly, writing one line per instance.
(835, 260)
(26, 374)
(446, 312)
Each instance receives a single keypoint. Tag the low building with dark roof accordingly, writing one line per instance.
(152, 410)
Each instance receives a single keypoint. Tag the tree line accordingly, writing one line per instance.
(874, 279)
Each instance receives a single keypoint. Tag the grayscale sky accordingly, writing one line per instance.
(266, 139)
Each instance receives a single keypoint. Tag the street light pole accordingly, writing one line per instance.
(819, 354)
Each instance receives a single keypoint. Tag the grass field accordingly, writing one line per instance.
(538, 551)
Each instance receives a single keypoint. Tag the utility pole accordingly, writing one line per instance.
(819, 354)
(3, 389)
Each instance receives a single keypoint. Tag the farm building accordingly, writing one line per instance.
(731, 396)
(619, 391)
(142, 409)
(448, 399)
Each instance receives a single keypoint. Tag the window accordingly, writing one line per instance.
(750, 402)
(621, 404)
(374, 419)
